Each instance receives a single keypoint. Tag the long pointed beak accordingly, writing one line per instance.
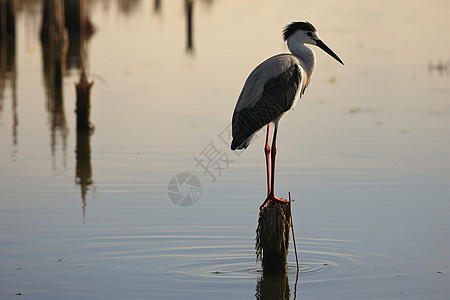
(325, 48)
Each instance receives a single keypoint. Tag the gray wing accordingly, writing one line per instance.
(277, 97)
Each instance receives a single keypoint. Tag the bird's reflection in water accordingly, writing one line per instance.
(273, 286)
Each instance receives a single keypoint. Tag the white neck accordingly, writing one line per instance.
(304, 54)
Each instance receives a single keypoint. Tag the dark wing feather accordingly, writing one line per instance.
(278, 96)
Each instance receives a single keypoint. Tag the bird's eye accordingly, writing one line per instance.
(309, 33)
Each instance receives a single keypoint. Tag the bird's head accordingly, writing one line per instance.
(306, 33)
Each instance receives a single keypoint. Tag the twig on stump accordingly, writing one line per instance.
(272, 236)
(293, 234)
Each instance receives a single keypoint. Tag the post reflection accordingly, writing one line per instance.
(64, 33)
(83, 173)
(273, 286)
(80, 29)
(157, 7)
(8, 76)
(54, 49)
(189, 6)
(128, 6)
(8, 69)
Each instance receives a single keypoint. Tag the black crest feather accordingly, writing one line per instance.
(294, 26)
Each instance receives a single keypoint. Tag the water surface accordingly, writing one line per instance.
(365, 154)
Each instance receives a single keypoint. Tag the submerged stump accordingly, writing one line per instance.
(272, 236)
(83, 105)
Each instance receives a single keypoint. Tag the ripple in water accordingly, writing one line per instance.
(239, 261)
(189, 256)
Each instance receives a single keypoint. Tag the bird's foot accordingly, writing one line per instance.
(272, 198)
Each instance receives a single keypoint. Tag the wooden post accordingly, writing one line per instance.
(83, 105)
(272, 236)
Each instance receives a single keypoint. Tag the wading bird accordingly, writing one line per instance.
(272, 89)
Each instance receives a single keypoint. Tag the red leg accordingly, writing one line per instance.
(271, 196)
(274, 153)
(267, 152)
